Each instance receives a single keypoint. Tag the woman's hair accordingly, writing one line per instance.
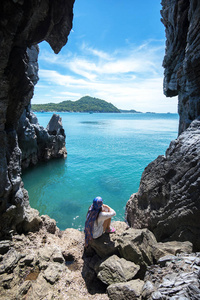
(97, 214)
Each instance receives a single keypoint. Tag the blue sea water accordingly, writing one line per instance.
(107, 154)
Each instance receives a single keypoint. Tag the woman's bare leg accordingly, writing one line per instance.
(106, 224)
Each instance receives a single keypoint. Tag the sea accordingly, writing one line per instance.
(107, 153)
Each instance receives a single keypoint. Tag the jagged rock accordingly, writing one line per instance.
(9, 261)
(36, 142)
(23, 289)
(22, 26)
(174, 247)
(53, 272)
(130, 290)
(49, 224)
(136, 245)
(55, 125)
(115, 269)
(168, 198)
(181, 61)
(5, 246)
(33, 67)
(57, 255)
(176, 277)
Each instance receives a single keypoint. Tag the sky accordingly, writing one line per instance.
(114, 52)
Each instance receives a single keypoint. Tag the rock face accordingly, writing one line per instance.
(38, 143)
(168, 199)
(175, 277)
(22, 26)
(181, 62)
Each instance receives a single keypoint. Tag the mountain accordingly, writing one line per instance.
(85, 104)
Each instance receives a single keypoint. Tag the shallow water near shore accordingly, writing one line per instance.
(107, 154)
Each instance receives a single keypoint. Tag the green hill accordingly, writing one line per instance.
(85, 104)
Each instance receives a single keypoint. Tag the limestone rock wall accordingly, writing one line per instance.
(22, 25)
(168, 199)
(182, 56)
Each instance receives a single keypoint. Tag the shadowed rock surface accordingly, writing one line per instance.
(182, 56)
(23, 24)
(168, 199)
(36, 142)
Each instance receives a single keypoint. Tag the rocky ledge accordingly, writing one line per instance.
(129, 264)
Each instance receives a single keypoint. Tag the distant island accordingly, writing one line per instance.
(131, 111)
(85, 104)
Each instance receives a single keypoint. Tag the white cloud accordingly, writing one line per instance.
(130, 78)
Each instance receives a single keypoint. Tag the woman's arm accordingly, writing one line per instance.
(104, 215)
(105, 207)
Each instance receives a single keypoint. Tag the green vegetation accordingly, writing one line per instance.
(85, 104)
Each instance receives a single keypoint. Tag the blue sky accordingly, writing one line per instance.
(114, 52)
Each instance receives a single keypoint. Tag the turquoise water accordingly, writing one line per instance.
(107, 154)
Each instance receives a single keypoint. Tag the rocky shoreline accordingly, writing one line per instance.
(129, 264)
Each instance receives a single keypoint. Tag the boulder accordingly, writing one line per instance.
(136, 245)
(115, 269)
(130, 290)
(107, 244)
(174, 247)
(9, 261)
(53, 272)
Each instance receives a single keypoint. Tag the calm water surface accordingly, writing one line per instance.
(107, 154)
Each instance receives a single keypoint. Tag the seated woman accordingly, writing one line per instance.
(98, 220)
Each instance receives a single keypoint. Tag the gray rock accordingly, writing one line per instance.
(18, 74)
(27, 260)
(115, 269)
(9, 261)
(36, 142)
(5, 246)
(136, 245)
(174, 247)
(181, 61)
(53, 272)
(49, 224)
(23, 289)
(130, 290)
(57, 255)
(168, 198)
(55, 125)
(174, 278)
